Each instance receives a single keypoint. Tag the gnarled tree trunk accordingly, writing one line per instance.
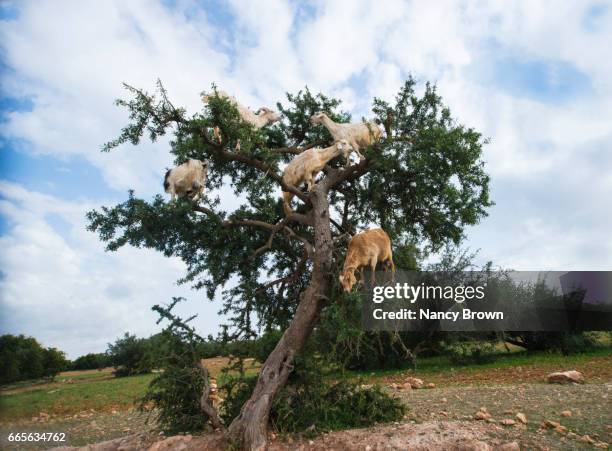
(250, 427)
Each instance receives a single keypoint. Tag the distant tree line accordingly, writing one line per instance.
(24, 358)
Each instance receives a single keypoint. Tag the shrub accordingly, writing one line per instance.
(470, 353)
(174, 393)
(173, 396)
(91, 361)
(309, 402)
(130, 355)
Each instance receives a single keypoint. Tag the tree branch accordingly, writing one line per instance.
(297, 150)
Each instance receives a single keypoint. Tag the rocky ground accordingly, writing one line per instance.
(504, 417)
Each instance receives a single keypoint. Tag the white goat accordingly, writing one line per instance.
(305, 167)
(187, 180)
(358, 135)
(264, 116)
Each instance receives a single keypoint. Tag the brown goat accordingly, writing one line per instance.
(366, 249)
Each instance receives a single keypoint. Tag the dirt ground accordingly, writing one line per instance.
(439, 418)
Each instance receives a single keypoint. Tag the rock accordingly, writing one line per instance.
(368, 448)
(587, 439)
(548, 424)
(415, 382)
(431, 385)
(491, 420)
(565, 377)
(566, 413)
(480, 415)
(602, 445)
(561, 429)
(472, 445)
(510, 446)
(521, 417)
(444, 400)
(508, 422)
(406, 386)
(178, 443)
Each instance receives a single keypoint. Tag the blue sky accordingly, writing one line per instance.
(533, 76)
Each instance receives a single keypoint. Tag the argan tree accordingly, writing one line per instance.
(423, 182)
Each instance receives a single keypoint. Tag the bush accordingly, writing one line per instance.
(173, 396)
(565, 342)
(130, 355)
(471, 353)
(175, 392)
(309, 402)
(91, 361)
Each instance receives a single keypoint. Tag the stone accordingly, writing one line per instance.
(508, 422)
(431, 385)
(510, 446)
(521, 417)
(565, 377)
(415, 382)
(472, 445)
(587, 439)
(566, 413)
(548, 424)
(480, 415)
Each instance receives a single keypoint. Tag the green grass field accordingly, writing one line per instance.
(63, 398)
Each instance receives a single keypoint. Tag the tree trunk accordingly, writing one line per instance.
(249, 429)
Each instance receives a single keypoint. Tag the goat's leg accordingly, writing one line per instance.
(356, 149)
(309, 184)
(373, 269)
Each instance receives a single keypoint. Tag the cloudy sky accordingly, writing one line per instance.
(534, 76)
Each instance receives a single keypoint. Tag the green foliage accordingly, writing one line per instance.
(423, 184)
(24, 358)
(173, 396)
(309, 402)
(471, 352)
(91, 361)
(130, 355)
(565, 342)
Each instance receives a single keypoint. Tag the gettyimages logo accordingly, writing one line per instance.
(483, 301)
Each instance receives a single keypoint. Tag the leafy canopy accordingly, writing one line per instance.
(423, 183)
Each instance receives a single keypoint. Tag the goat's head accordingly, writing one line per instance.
(344, 147)
(270, 115)
(193, 190)
(317, 118)
(347, 279)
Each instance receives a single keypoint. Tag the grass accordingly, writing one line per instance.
(108, 394)
(597, 364)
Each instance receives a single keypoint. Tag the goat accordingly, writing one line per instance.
(264, 116)
(305, 167)
(358, 135)
(366, 249)
(187, 180)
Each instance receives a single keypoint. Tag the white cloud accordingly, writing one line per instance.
(67, 292)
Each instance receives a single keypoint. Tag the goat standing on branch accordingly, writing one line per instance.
(187, 180)
(358, 135)
(306, 166)
(366, 249)
(264, 116)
